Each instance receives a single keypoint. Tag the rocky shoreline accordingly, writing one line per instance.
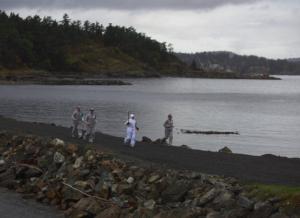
(277, 170)
(49, 78)
(85, 182)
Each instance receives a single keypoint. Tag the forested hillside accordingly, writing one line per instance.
(70, 46)
(247, 65)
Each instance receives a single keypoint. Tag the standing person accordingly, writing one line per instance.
(90, 122)
(169, 129)
(131, 130)
(81, 126)
(76, 119)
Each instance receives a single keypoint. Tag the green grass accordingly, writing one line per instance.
(289, 195)
(96, 59)
(280, 190)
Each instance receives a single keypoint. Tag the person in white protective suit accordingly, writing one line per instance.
(131, 130)
(76, 119)
(90, 122)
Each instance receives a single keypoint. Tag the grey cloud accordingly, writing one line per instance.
(121, 4)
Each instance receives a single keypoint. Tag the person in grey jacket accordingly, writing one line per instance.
(90, 122)
(76, 119)
(169, 125)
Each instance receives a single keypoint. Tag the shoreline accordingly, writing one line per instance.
(108, 81)
(65, 81)
(46, 78)
(269, 169)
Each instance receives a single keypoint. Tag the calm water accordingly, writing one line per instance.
(266, 113)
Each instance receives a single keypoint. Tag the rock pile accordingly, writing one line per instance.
(88, 183)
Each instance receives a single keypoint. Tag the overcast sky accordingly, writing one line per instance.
(269, 28)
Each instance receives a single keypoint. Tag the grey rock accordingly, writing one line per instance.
(245, 202)
(57, 142)
(213, 214)
(150, 204)
(78, 162)
(153, 178)
(130, 180)
(58, 158)
(237, 213)
(262, 210)
(207, 197)
(2, 162)
(175, 192)
(224, 200)
(260, 204)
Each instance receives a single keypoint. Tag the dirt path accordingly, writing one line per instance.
(262, 169)
(12, 205)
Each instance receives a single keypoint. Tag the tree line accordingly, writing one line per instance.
(42, 43)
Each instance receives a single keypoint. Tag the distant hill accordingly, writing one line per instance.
(246, 65)
(294, 60)
(65, 47)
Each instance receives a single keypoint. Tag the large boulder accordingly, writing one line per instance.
(262, 209)
(207, 197)
(175, 192)
(224, 200)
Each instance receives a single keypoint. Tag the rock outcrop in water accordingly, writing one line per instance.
(210, 132)
(88, 183)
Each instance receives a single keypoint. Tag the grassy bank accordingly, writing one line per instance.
(289, 196)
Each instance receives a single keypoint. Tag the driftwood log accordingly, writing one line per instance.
(210, 132)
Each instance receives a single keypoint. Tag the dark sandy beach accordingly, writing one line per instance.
(261, 169)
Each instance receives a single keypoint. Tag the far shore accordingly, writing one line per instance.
(27, 77)
(103, 81)
(63, 81)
